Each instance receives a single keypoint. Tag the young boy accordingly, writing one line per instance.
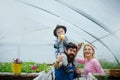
(60, 44)
(61, 40)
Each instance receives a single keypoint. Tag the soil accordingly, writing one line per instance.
(17, 77)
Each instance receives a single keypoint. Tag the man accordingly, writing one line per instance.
(60, 73)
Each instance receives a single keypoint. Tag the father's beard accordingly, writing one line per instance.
(70, 58)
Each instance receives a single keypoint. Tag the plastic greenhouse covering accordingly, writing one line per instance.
(26, 27)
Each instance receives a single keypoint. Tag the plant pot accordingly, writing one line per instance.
(114, 72)
(16, 68)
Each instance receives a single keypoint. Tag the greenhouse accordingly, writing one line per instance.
(26, 28)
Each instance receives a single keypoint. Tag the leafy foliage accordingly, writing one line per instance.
(109, 65)
(26, 67)
(5, 67)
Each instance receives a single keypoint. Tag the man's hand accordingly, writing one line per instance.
(58, 62)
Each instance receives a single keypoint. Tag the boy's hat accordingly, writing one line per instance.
(57, 27)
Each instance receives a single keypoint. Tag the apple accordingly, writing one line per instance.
(62, 36)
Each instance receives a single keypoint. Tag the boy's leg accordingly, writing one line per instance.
(77, 70)
(65, 63)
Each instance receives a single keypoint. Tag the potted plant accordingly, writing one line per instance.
(16, 66)
(114, 72)
(34, 68)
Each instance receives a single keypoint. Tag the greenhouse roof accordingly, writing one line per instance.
(26, 27)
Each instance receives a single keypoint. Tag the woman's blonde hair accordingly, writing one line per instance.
(90, 45)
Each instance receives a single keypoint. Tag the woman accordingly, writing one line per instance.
(91, 64)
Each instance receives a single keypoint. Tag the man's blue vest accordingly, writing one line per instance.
(60, 73)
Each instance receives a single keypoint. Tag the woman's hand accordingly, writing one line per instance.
(79, 46)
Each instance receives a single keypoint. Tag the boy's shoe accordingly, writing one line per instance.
(77, 75)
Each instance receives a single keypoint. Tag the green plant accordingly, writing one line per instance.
(99, 77)
(80, 65)
(108, 65)
(26, 67)
(5, 67)
(43, 67)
